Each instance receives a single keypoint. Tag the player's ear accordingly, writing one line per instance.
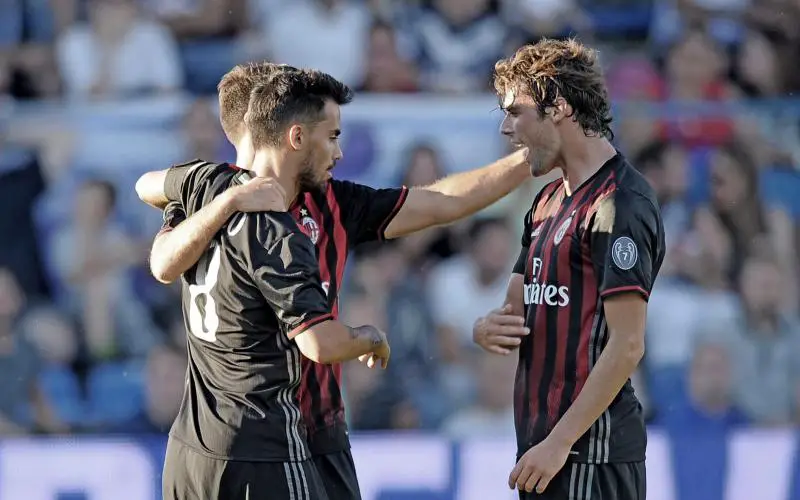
(561, 110)
(296, 138)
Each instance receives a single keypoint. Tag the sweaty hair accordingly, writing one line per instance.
(234, 94)
(550, 69)
(287, 97)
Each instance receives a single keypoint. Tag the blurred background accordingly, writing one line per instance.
(95, 92)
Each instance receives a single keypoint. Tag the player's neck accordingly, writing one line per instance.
(582, 158)
(271, 164)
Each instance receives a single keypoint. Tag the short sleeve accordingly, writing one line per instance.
(527, 228)
(173, 215)
(626, 240)
(196, 183)
(284, 266)
(367, 212)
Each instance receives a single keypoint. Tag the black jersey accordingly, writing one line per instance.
(604, 239)
(252, 291)
(336, 219)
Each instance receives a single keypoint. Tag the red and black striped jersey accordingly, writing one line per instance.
(345, 215)
(605, 238)
(336, 219)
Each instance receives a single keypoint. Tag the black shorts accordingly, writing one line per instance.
(189, 475)
(338, 473)
(619, 481)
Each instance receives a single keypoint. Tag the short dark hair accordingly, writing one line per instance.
(287, 97)
(552, 68)
(234, 91)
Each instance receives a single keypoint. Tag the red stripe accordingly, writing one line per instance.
(550, 209)
(590, 291)
(310, 369)
(397, 206)
(563, 275)
(340, 243)
(308, 324)
(625, 289)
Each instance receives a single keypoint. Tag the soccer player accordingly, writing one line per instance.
(337, 219)
(253, 303)
(577, 299)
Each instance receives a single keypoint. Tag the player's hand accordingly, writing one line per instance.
(538, 466)
(379, 355)
(260, 194)
(500, 331)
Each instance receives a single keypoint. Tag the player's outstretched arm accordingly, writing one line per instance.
(460, 195)
(180, 243)
(334, 342)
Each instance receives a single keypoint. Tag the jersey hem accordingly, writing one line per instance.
(397, 206)
(237, 458)
(625, 289)
(308, 324)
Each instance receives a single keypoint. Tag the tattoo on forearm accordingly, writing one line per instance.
(366, 332)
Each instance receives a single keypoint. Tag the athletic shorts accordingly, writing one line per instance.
(618, 481)
(338, 473)
(189, 475)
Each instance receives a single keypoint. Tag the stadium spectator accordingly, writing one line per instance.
(458, 42)
(329, 35)
(766, 345)
(106, 57)
(492, 413)
(386, 71)
(93, 256)
(23, 406)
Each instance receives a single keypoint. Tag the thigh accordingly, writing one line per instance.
(338, 473)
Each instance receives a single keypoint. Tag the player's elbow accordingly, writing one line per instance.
(149, 189)
(160, 268)
(141, 187)
(162, 274)
(633, 349)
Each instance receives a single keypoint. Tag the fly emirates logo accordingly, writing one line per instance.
(537, 293)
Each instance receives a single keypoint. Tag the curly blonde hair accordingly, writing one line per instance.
(566, 68)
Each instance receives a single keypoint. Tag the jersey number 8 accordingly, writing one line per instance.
(203, 319)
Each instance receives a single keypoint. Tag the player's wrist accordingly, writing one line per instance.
(560, 438)
(229, 202)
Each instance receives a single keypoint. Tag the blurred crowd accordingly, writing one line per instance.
(90, 343)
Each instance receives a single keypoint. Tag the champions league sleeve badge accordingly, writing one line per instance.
(624, 253)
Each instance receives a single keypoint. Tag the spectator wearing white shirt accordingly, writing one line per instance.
(329, 35)
(118, 53)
